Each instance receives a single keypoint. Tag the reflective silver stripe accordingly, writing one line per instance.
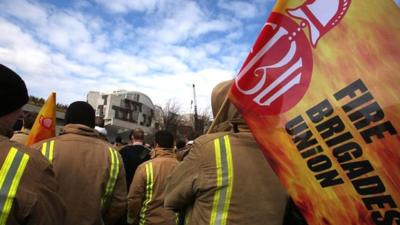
(114, 171)
(10, 176)
(222, 196)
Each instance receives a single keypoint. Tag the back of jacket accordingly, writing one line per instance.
(28, 187)
(225, 178)
(147, 191)
(133, 156)
(90, 174)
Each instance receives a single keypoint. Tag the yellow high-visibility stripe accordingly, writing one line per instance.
(113, 175)
(186, 218)
(6, 165)
(44, 149)
(230, 180)
(51, 152)
(223, 193)
(48, 150)
(149, 192)
(217, 150)
(10, 177)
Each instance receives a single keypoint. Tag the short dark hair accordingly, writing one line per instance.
(29, 120)
(80, 113)
(137, 134)
(99, 121)
(118, 139)
(180, 143)
(164, 139)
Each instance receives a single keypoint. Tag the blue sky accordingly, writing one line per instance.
(158, 47)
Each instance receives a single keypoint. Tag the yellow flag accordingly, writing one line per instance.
(320, 92)
(45, 123)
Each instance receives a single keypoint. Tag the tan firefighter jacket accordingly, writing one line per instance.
(21, 136)
(146, 194)
(28, 187)
(90, 173)
(225, 178)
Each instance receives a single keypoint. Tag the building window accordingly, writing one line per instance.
(104, 97)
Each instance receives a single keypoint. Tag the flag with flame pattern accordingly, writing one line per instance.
(45, 123)
(320, 91)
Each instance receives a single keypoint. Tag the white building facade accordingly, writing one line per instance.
(123, 111)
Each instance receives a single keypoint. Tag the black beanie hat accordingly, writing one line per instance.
(13, 92)
(80, 113)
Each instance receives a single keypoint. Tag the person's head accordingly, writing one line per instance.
(13, 95)
(228, 112)
(99, 121)
(80, 113)
(180, 144)
(29, 120)
(164, 139)
(137, 134)
(118, 139)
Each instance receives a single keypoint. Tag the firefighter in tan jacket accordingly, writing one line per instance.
(146, 193)
(90, 172)
(225, 178)
(28, 188)
(22, 135)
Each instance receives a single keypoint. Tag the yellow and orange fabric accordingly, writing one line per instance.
(320, 93)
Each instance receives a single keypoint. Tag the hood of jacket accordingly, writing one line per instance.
(229, 116)
(80, 130)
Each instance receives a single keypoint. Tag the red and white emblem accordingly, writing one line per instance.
(277, 72)
(45, 122)
(320, 16)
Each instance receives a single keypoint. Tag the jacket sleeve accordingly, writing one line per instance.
(182, 184)
(136, 194)
(49, 208)
(117, 202)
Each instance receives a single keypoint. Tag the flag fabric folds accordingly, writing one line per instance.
(320, 92)
(45, 123)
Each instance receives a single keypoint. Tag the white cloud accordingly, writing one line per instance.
(72, 52)
(126, 66)
(188, 21)
(24, 10)
(241, 9)
(64, 30)
(123, 6)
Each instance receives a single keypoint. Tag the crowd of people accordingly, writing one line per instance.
(78, 178)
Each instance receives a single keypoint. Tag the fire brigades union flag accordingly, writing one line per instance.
(320, 91)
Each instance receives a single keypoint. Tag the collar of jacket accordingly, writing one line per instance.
(5, 131)
(229, 126)
(23, 131)
(163, 152)
(137, 143)
(80, 130)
